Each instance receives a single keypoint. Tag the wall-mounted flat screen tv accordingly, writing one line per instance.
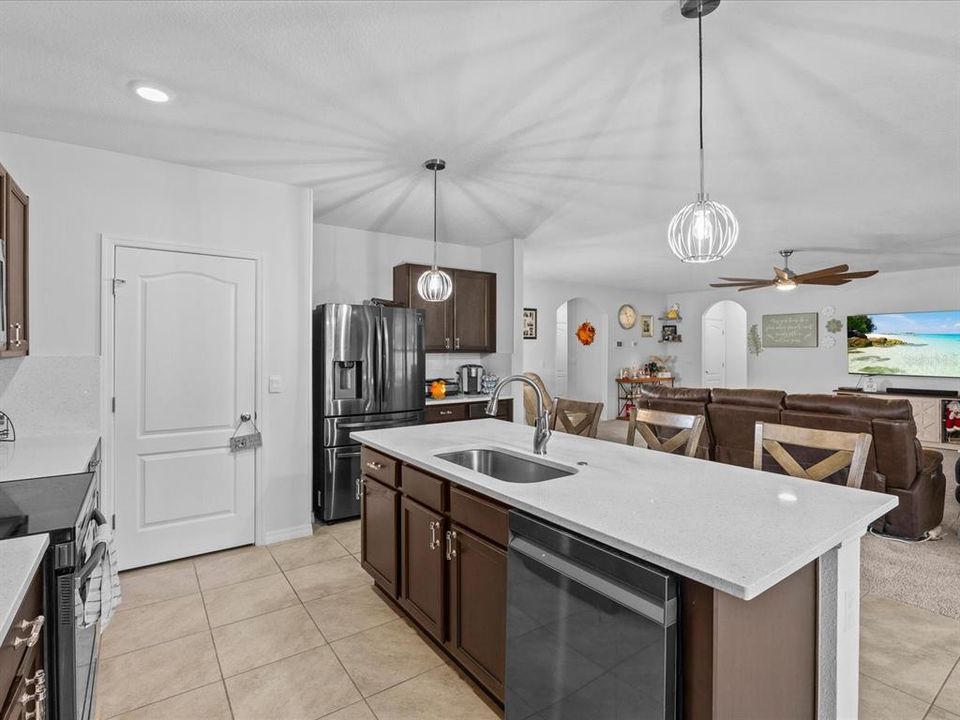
(923, 344)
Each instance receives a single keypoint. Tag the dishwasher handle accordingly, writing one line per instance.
(662, 613)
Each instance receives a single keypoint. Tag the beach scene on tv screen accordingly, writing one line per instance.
(917, 343)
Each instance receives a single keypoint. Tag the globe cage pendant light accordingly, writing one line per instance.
(703, 231)
(435, 285)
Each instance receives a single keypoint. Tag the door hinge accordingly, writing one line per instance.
(113, 404)
(117, 282)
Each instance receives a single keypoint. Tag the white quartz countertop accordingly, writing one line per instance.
(738, 530)
(46, 455)
(19, 559)
(457, 399)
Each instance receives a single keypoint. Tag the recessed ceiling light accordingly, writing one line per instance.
(150, 93)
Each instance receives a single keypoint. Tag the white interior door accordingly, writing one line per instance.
(184, 371)
(714, 352)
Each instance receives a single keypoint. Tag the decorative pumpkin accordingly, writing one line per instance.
(586, 333)
(438, 389)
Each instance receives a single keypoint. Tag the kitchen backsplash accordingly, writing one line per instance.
(45, 395)
(445, 365)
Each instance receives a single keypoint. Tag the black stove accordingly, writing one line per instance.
(44, 505)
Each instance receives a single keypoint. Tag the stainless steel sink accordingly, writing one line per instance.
(505, 465)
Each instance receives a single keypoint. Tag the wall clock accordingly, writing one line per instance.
(627, 316)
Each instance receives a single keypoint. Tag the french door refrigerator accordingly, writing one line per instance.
(368, 373)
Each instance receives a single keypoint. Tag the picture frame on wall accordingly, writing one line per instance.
(529, 324)
(646, 326)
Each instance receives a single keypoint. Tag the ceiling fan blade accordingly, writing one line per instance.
(835, 270)
(858, 274)
(744, 279)
(781, 273)
(754, 284)
(832, 280)
(757, 287)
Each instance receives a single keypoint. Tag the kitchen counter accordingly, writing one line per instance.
(737, 530)
(459, 399)
(46, 455)
(19, 559)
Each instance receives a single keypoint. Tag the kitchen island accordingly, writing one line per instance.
(768, 564)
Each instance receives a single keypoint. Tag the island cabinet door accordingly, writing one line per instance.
(379, 525)
(478, 606)
(422, 566)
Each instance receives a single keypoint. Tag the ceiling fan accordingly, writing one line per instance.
(787, 279)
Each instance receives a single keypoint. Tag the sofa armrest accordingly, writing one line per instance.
(931, 463)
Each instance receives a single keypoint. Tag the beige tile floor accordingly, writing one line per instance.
(295, 631)
(292, 631)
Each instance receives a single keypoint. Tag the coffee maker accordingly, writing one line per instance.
(470, 376)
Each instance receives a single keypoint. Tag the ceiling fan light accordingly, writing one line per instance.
(434, 285)
(786, 285)
(703, 231)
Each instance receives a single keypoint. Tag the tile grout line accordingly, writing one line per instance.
(156, 702)
(216, 654)
(904, 692)
(942, 686)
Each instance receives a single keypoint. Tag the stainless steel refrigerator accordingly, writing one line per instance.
(368, 373)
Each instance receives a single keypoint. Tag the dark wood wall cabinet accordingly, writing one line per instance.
(23, 687)
(466, 322)
(447, 547)
(14, 242)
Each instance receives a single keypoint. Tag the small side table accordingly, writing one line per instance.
(625, 390)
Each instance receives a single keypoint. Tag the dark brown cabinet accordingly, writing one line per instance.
(23, 689)
(467, 322)
(14, 238)
(478, 606)
(422, 566)
(379, 551)
(451, 412)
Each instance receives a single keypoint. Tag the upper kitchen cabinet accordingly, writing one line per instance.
(466, 322)
(14, 234)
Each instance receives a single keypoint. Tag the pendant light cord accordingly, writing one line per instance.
(435, 218)
(700, 46)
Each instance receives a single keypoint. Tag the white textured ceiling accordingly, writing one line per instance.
(831, 127)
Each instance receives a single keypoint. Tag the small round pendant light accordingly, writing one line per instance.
(435, 285)
(704, 230)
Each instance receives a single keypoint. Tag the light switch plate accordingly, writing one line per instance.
(275, 384)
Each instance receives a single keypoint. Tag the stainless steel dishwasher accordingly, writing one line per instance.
(591, 633)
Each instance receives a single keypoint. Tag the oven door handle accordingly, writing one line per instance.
(96, 557)
(98, 517)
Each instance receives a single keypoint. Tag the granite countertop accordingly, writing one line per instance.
(19, 559)
(738, 530)
(46, 455)
(457, 399)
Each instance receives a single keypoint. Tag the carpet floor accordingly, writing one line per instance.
(925, 575)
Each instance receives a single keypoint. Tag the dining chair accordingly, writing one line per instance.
(851, 451)
(647, 421)
(575, 417)
(530, 398)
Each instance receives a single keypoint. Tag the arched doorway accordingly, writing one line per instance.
(581, 370)
(723, 345)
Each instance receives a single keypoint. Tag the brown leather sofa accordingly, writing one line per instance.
(897, 464)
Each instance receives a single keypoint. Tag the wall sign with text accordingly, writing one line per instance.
(792, 330)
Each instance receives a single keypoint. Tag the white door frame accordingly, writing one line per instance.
(108, 246)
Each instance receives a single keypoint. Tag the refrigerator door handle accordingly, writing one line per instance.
(384, 354)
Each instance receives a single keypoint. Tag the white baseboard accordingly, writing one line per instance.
(290, 533)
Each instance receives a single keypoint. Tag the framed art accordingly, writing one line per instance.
(646, 326)
(529, 324)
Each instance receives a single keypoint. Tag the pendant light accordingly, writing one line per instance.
(704, 230)
(435, 285)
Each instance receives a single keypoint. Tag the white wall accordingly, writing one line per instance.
(820, 369)
(352, 265)
(586, 364)
(546, 296)
(78, 193)
(734, 318)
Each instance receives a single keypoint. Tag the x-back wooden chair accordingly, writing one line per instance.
(575, 417)
(645, 421)
(851, 450)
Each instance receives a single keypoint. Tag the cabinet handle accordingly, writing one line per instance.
(35, 625)
(446, 343)
(456, 344)
(375, 466)
(434, 542)
(451, 548)
(17, 337)
(359, 487)
(444, 413)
